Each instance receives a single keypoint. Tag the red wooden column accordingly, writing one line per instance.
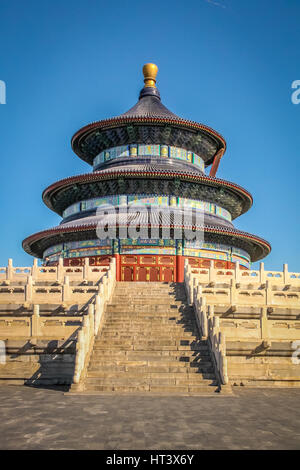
(118, 266)
(179, 268)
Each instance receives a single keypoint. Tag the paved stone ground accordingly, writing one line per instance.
(36, 418)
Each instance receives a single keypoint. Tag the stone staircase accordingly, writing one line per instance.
(150, 343)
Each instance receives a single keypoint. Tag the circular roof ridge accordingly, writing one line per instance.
(116, 171)
(88, 227)
(149, 118)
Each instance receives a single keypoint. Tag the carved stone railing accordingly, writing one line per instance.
(11, 274)
(93, 322)
(236, 293)
(34, 326)
(209, 325)
(213, 275)
(33, 292)
(232, 304)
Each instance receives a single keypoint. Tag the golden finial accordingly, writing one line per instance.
(150, 72)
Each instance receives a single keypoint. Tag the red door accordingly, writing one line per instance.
(141, 274)
(127, 273)
(154, 274)
(167, 274)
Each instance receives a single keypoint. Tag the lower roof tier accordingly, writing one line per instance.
(144, 251)
(185, 184)
(38, 243)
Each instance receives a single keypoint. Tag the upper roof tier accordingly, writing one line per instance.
(148, 122)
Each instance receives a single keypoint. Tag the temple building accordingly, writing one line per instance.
(162, 166)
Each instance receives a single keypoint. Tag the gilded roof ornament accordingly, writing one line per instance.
(150, 72)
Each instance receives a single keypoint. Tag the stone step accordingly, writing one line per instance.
(150, 358)
(150, 335)
(150, 361)
(157, 324)
(140, 288)
(146, 309)
(150, 299)
(97, 363)
(138, 337)
(150, 342)
(148, 291)
(146, 369)
(157, 389)
(117, 370)
(182, 374)
(185, 313)
(149, 295)
(161, 300)
(149, 316)
(150, 367)
(150, 331)
(143, 347)
(154, 326)
(145, 284)
(143, 355)
(127, 304)
(154, 317)
(132, 380)
(139, 341)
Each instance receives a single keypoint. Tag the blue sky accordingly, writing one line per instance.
(226, 63)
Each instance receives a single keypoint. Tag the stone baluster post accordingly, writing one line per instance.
(268, 293)
(198, 295)
(104, 282)
(211, 311)
(203, 316)
(91, 314)
(29, 289)
(60, 270)
(86, 269)
(9, 270)
(66, 289)
(264, 323)
(35, 269)
(194, 282)
(233, 293)
(35, 322)
(85, 327)
(101, 290)
(262, 274)
(78, 357)
(98, 312)
(286, 276)
(212, 272)
(237, 272)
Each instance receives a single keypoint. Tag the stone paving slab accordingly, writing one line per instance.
(39, 418)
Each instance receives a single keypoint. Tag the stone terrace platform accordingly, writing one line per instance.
(36, 418)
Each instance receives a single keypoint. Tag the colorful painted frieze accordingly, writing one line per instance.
(73, 209)
(133, 150)
(53, 250)
(198, 162)
(144, 150)
(149, 150)
(98, 202)
(176, 152)
(147, 250)
(164, 151)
